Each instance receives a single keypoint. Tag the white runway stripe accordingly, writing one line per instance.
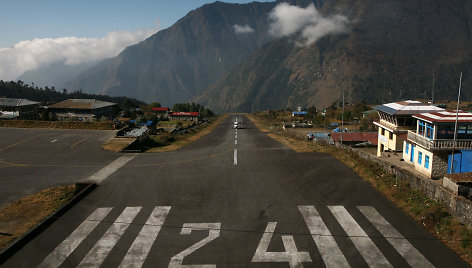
(61, 252)
(359, 238)
(405, 248)
(235, 162)
(103, 173)
(327, 246)
(99, 252)
(141, 246)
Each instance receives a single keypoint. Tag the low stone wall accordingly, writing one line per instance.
(458, 206)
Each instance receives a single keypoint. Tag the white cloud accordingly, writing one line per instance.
(287, 20)
(242, 29)
(32, 54)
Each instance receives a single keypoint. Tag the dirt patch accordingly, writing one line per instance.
(21, 216)
(178, 141)
(118, 144)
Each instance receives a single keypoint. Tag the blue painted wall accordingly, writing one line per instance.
(462, 161)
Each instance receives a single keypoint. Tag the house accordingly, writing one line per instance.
(299, 113)
(395, 119)
(18, 109)
(84, 109)
(356, 139)
(192, 116)
(430, 147)
(160, 111)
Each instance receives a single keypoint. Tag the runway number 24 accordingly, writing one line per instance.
(290, 255)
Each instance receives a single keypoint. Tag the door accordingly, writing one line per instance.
(412, 153)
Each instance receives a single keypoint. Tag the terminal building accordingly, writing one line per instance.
(395, 120)
(430, 147)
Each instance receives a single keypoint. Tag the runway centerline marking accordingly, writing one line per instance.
(235, 157)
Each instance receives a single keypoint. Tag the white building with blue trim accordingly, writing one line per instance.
(430, 146)
(395, 119)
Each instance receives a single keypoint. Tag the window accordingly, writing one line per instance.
(390, 135)
(421, 127)
(429, 130)
(420, 157)
(426, 161)
(407, 147)
(382, 132)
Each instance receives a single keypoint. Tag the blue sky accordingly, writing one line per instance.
(38, 33)
(28, 19)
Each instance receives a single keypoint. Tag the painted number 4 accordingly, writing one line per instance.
(290, 255)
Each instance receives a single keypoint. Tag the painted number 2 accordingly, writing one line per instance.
(291, 254)
(187, 228)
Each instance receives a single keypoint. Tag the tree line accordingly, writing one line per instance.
(48, 95)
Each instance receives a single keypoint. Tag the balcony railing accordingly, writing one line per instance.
(438, 144)
(394, 127)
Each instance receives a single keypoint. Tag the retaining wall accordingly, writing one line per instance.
(458, 206)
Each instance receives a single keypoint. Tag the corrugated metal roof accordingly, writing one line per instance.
(407, 107)
(371, 137)
(10, 102)
(445, 117)
(86, 104)
(160, 109)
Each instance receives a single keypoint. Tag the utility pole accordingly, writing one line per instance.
(432, 92)
(455, 127)
(342, 120)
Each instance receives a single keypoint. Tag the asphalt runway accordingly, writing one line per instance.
(235, 198)
(35, 159)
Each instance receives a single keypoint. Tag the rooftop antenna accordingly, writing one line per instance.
(455, 127)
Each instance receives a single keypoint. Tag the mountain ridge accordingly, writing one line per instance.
(390, 52)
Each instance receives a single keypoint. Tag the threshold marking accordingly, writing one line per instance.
(103, 173)
(141, 246)
(100, 250)
(61, 252)
(405, 248)
(359, 238)
(327, 246)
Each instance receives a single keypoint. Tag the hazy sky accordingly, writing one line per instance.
(29, 19)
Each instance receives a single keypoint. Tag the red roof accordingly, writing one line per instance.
(371, 137)
(160, 109)
(445, 117)
(185, 113)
